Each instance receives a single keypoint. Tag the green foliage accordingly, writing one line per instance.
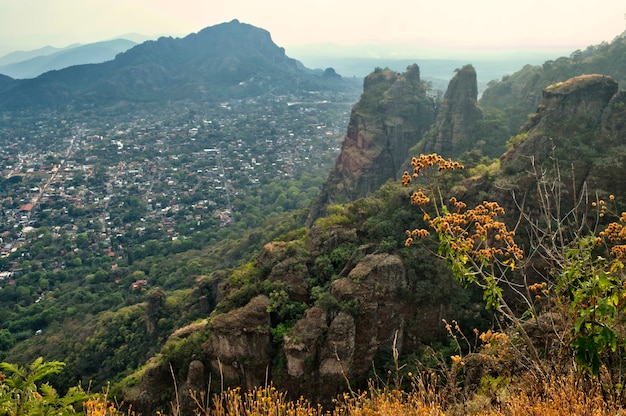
(336, 216)
(23, 393)
(594, 287)
(351, 306)
(180, 352)
(280, 304)
(516, 140)
(7, 340)
(325, 300)
(278, 332)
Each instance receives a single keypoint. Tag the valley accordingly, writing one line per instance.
(208, 210)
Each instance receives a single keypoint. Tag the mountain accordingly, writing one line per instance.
(226, 61)
(391, 116)
(328, 303)
(19, 56)
(66, 57)
(579, 124)
(519, 94)
(340, 293)
(457, 116)
(6, 82)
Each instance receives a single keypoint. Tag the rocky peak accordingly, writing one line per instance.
(391, 116)
(579, 127)
(573, 118)
(338, 344)
(458, 115)
(238, 345)
(582, 98)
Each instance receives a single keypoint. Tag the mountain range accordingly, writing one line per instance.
(230, 60)
(49, 59)
(328, 301)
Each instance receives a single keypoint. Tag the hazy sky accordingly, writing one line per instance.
(477, 24)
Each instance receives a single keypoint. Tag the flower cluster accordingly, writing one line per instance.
(419, 198)
(474, 231)
(615, 235)
(602, 205)
(539, 288)
(426, 161)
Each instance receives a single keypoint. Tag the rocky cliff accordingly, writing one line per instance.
(579, 124)
(391, 116)
(520, 93)
(458, 115)
(317, 309)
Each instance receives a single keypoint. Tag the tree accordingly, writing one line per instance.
(22, 393)
(584, 268)
(82, 241)
(155, 305)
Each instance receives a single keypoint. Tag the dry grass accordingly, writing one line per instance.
(558, 396)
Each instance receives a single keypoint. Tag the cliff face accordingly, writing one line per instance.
(360, 300)
(321, 348)
(391, 116)
(457, 117)
(577, 138)
(580, 123)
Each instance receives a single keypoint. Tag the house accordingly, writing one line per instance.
(26, 208)
(139, 284)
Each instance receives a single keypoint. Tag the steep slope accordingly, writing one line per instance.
(579, 123)
(229, 60)
(576, 138)
(391, 116)
(458, 115)
(520, 93)
(330, 300)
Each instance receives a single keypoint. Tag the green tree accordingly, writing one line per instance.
(22, 391)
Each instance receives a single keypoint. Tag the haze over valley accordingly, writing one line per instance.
(432, 204)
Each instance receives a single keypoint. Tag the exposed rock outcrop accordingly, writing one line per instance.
(457, 116)
(193, 387)
(324, 347)
(283, 266)
(578, 124)
(391, 116)
(238, 347)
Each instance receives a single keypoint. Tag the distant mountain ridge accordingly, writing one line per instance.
(225, 61)
(19, 56)
(48, 58)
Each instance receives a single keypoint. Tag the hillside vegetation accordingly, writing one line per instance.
(518, 95)
(473, 285)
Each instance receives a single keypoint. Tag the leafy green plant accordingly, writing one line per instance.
(583, 269)
(23, 393)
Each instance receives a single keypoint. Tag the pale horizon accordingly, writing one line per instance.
(452, 26)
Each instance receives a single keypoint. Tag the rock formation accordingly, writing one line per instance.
(344, 346)
(577, 123)
(238, 345)
(391, 116)
(374, 302)
(457, 116)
